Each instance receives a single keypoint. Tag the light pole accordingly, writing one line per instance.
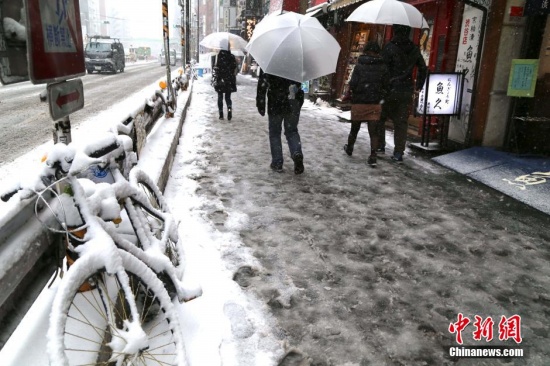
(184, 29)
(198, 29)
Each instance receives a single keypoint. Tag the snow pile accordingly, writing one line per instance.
(15, 30)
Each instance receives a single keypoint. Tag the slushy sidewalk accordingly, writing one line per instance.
(358, 265)
(524, 178)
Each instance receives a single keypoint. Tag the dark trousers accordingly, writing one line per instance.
(290, 122)
(373, 127)
(227, 101)
(396, 108)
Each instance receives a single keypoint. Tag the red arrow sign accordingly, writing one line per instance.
(67, 98)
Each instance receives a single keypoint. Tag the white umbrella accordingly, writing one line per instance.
(294, 47)
(222, 41)
(388, 12)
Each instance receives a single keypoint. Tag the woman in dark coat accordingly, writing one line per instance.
(369, 85)
(224, 80)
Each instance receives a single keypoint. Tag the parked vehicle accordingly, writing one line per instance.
(172, 57)
(103, 53)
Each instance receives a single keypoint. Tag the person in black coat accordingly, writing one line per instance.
(368, 85)
(402, 56)
(224, 80)
(284, 101)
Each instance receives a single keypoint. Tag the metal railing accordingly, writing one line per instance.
(29, 253)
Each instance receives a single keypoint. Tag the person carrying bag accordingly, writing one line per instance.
(369, 86)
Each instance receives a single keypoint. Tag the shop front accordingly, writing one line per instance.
(529, 85)
(437, 43)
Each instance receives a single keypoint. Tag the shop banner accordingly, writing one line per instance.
(469, 50)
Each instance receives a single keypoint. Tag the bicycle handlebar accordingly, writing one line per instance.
(9, 194)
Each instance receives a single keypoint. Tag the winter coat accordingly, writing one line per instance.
(369, 81)
(401, 56)
(278, 93)
(224, 77)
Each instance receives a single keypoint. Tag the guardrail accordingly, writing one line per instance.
(28, 256)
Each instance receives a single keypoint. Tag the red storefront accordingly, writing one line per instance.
(438, 44)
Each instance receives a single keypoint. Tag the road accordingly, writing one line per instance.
(25, 121)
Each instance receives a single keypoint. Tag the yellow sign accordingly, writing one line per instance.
(523, 78)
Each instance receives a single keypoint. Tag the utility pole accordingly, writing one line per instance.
(166, 34)
(198, 28)
(183, 34)
(187, 29)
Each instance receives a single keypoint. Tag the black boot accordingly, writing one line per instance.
(229, 114)
(348, 150)
(221, 114)
(298, 163)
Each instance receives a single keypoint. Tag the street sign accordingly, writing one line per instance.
(65, 98)
(54, 46)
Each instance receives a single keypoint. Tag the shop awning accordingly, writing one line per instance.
(341, 3)
(315, 10)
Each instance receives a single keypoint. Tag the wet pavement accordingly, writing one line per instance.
(363, 266)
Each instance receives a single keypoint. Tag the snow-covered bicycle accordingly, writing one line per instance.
(111, 308)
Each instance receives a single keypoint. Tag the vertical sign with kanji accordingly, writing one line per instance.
(55, 46)
(469, 50)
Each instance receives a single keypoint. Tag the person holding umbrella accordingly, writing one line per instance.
(224, 80)
(290, 48)
(369, 86)
(402, 56)
(284, 101)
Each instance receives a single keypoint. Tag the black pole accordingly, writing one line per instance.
(425, 128)
(182, 33)
(167, 54)
(198, 29)
(187, 29)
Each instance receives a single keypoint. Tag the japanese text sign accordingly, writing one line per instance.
(55, 46)
(441, 94)
(523, 78)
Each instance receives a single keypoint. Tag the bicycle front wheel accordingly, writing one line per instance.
(92, 322)
(157, 220)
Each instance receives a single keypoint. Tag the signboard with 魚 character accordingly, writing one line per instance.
(441, 94)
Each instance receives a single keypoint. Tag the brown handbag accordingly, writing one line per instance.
(366, 112)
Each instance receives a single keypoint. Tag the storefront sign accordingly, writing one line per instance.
(523, 78)
(425, 43)
(466, 61)
(441, 94)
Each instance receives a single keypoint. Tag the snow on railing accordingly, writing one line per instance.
(29, 253)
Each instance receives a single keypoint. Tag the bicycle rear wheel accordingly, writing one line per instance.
(97, 326)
